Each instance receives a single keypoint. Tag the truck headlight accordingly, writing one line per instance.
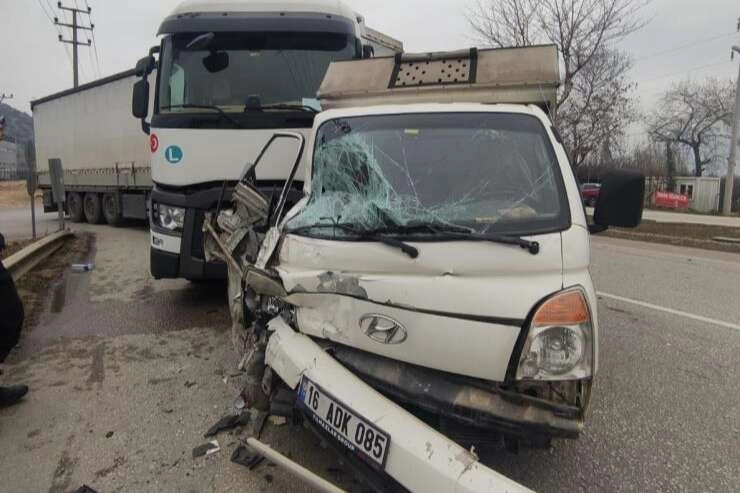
(559, 344)
(168, 217)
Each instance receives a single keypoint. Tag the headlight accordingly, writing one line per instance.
(559, 345)
(168, 217)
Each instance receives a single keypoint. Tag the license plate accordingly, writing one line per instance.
(349, 428)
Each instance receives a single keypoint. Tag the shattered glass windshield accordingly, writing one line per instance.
(485, 172)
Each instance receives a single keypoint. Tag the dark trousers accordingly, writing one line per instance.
(11, 313)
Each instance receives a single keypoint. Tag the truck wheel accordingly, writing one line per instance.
(74, 207)
(93, 210)
(112, 209)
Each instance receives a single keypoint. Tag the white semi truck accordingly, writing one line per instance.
(229, 75)
(207, 121)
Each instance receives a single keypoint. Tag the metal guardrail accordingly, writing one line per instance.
(26, 259)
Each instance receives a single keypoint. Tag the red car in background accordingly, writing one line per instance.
(590, 193)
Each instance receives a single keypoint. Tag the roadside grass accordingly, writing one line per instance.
(13, 195)
(689, 211)
(680, 234)
(35, 286)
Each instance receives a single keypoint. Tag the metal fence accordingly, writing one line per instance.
(13, 174)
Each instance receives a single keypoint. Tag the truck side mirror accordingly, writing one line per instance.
(145, 66)
(140, 99)
(368, 51)
(621, 200)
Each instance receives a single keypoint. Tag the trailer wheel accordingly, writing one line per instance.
(93, 210)
(74, 207)
(112, 209)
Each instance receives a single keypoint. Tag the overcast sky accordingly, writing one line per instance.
(684, 38)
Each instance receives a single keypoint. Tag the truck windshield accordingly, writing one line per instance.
(233, 71)
(480, 172)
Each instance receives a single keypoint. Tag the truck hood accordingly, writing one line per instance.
(185, 157)
(458, 307)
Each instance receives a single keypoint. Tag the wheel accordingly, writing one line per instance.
(112, 209)
(74, 207)
(93, 210)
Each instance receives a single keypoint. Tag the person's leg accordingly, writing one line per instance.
(11, 313)
(12, 394)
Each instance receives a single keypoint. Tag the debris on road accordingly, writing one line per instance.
(278, 421)
(206, 449)
(85, 489)
(247, 457)
(228, 422)
(89, 267)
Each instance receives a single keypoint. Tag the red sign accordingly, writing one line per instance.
(154, 143)
(671, 200)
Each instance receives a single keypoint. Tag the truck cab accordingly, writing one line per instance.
(229, 74)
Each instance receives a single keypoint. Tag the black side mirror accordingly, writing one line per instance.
(621, 200)
(140, 99)
(145, 66)
(368, 51)
(216, 62)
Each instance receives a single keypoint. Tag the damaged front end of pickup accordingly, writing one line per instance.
(389, 327)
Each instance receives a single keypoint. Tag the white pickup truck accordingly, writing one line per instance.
(431, 290)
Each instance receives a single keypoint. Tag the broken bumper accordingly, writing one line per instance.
(464, 400)
(419, 458)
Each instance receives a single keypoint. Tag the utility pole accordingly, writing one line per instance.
(75, 26)
(730, 179)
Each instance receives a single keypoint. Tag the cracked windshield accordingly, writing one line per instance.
(479, 172)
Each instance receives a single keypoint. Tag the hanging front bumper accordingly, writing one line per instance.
(419, 458)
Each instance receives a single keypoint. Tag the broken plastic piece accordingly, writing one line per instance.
(82, 267)
(228, 422)
(85, 489)
(206, 449)
(247, 457)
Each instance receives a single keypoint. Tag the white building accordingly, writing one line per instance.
(703, 192)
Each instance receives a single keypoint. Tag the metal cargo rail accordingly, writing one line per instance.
(529, 75)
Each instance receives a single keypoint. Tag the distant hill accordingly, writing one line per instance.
(18, 125)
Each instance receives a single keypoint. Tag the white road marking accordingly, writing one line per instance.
(679, 313)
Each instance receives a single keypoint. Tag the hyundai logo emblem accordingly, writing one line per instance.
(383, 329)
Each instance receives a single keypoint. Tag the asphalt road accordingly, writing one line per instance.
(127, 373)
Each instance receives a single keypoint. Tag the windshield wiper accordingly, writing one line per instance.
(455, 232)
(532, 246)
(285, 106)
(204, 107)
(370, 235)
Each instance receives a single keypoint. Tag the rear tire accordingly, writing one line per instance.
(112, 209)
(93, 209)
(74, 207)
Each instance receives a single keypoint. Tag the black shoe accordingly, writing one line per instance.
(11, 395)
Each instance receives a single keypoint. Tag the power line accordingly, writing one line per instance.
(75, 26)
(685, 71)
(681, 47)
(51, 19)
(94, 43)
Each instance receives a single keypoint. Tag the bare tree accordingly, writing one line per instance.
(593, 119)
(581, 29)
(594, 102)
(693, 115)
